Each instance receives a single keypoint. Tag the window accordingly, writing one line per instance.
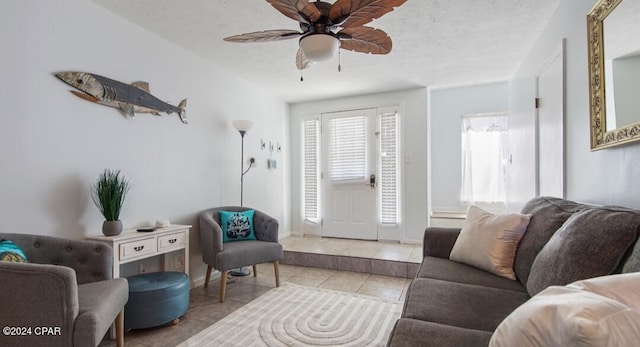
(388, 171)
(484, 158)
(347, 146)
(311, 169)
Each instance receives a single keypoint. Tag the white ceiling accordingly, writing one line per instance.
(436, 43)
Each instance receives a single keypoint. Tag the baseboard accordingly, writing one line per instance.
(197, 282)
(412, 242)
(284, 235)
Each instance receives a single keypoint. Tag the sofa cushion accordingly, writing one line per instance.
(548, 215)
(461, 305)
(489, 241)
(590, 243)
(99, 304)
(412, 332)
(594, 312)
(632, 263)
(447, 270)
(245, 253)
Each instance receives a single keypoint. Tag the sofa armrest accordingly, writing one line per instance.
(265, 226)
(92, 260)
(210, 236)
(438, 242)
(39, 295)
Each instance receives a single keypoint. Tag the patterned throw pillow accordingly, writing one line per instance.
(237, 226)
(9, 251)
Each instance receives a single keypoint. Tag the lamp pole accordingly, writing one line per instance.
(242, 126)
(242, 170)
(242, 132)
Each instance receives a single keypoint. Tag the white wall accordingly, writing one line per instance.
(446, 106)
(608, 176)
(413, 120)
(53, 144)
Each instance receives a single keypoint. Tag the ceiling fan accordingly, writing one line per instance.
(327, 27)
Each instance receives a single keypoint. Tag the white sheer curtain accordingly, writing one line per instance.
(484, 158)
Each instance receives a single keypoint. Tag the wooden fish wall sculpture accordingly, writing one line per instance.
(131, 99)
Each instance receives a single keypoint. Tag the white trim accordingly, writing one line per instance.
(559, 52)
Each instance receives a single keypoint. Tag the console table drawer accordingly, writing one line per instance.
(177, 240)
(137, 248)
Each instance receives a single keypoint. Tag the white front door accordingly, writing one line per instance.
(349, 175)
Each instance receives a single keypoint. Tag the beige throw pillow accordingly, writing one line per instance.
(489, 241)
(594, 312)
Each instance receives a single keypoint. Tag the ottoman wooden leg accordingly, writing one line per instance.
(223, 285)
(255, 273)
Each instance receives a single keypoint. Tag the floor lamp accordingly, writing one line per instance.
(242, 126)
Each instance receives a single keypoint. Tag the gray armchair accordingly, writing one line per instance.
(226, 256)
(66, 286)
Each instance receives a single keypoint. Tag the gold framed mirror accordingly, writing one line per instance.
(614, 72)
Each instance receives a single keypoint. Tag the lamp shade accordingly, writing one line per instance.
(319, 47)
(242, 125)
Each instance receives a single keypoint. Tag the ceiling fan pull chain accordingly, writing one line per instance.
(301, 78)
(339, 66)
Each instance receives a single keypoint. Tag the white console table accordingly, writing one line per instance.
(132, 245)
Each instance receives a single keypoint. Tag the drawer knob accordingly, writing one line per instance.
(172, 241)
(138, 248)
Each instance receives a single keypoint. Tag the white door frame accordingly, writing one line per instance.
(544, 161)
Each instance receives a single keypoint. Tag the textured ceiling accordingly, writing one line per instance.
(436, 43)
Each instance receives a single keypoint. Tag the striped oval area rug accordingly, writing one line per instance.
(293, 315)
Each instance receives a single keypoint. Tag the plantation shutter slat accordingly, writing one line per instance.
(347, 148)
(311, 159)
(388, 180)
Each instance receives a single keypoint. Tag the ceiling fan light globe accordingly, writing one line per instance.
(319, 47)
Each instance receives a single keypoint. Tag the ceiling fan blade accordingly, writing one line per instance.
(365, 40)
(355, 13)
(300, 10)
(264, 36)
(302, 62)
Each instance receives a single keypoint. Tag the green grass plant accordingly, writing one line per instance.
(108, 193)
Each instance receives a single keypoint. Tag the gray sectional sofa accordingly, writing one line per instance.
(454, 304)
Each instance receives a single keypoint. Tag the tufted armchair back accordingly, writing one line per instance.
(66, 284)
(265, 226)
(91, 260)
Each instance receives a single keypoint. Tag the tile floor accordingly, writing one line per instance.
(206, 309)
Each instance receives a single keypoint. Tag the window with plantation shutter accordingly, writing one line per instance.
(388, 171)
(347, 146)
(311, 170)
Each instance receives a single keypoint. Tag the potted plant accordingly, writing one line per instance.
(108, 194)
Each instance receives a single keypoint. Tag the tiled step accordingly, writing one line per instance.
(394, 268)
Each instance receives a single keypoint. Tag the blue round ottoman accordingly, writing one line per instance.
(156, 298)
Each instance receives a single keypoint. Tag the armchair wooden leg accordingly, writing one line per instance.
(206, 279)
(223, 285)
(255, 273)
(120, 329)
(276, 269)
